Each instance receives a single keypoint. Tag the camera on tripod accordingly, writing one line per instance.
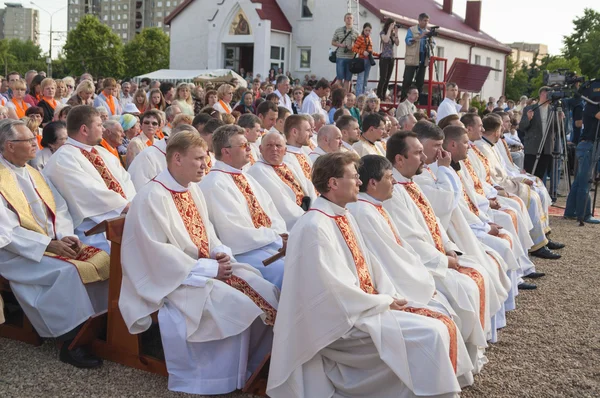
(433, 31)
(562, 83)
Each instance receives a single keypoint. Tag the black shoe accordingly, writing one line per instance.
(534, 275)
(527, 286)
(552, 245)
(78, 357)
(545, 253)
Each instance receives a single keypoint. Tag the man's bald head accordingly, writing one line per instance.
(329, 138)
(272, 148)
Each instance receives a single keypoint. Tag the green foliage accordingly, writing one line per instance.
(93, 47)
(517, 80)
(584, 42)
(21, 56)
(147, 52)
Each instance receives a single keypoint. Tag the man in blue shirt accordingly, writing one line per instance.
(417, 55)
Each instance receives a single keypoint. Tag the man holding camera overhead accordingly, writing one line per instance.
(417, 55)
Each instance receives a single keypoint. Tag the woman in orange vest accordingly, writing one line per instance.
(225, 95)
(16, 106)
(48, 102)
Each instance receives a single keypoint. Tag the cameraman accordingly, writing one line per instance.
(417, 55)
(343, 39)
(576, 202)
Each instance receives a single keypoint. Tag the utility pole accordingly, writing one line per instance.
(51, 14)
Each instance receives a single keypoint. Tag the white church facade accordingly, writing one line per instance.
(295, 35)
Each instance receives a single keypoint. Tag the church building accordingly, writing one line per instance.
(295, 35)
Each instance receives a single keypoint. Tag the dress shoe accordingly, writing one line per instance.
(552, 245)
(545, 253)
(79, 357)
(527, 286)
(569, 217)
(534, 275)
(591, 220)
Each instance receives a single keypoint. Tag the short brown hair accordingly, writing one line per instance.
(109, 82)
(222, 135)
(445, 122)
(492, 122)
(453, 133)
(78, 116)
(182, 141)
(151, 113)
(293, 122)
(330, 166)
(396, 144)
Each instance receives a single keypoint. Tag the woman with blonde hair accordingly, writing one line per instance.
(183, 98)
(33, 124)
(156, 100)
(61, 91)
(371, 105)
(224, 95)
(83, 94)
(182, 119)
(140, 100)
(16, 106)
(48, 102)
(69, 87)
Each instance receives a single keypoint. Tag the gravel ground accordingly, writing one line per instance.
(550, 348)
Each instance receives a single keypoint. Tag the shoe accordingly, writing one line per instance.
(591, 220)
(552, 245)
(534, 275)
(570, 217)
(545, 253)
(527, 286)
(78, 357)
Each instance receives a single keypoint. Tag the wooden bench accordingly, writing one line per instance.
(123, 347)
(17, 326)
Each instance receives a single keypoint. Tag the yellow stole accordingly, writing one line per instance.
(92, 264)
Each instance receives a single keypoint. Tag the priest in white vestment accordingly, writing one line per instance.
(370, 140)
(215, 315)
(152, 161)
(298, 132)
(342, 328)
(519, 185)
(58, 282)
(350, 129)
(291, 192)
(6, 226)
(457, 276)
(329, 139)
(252, 128)
(90, 179)
(241, 210)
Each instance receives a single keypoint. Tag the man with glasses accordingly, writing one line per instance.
(240, 209)
(58, 281)
(90, 179)
(370, 140)
(150, 122)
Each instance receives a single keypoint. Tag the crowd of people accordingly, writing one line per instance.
(395, 241)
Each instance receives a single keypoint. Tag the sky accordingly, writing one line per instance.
(531, 21)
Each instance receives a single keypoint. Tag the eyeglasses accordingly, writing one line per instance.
(29, 140)
(69, 86)
(245, 145)
(152, 123)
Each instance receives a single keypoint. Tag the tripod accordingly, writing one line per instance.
(591, 176)
(559, 147)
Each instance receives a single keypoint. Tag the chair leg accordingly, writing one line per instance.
(257, 383)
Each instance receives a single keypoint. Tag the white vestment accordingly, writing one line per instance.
(88, 198)
(332, 338)
(364, 147)
(148, 164)
(315, 153)
(208, 327)
(297, 158)
(230, 214)
(49, 290)
(283, 196)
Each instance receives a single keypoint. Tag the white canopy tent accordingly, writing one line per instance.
(194, 76)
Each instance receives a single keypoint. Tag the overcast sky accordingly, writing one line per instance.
(532, 21)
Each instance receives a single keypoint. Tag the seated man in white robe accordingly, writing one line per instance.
(350, 129)
(7, 224)
(291, 192)
(369, 142)
(460, 279)
(242, 212)
(214, 314)
(329, 139)
(90, 179)
(152, 160)
(58, 281)
(298, 132)
(518, 185)
(206, 133)
(342, 328)
(252, 128)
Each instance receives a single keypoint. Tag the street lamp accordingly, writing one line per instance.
(51, 14)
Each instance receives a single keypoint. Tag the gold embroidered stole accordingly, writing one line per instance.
(430, 220)
(258, 215)
(286, 175)
(306, 169)
(252, 159)
(486, 163)
(186, 207)
(311, 145)
(474, 209)
(364, 277)
(507, 150)
(476, 181)
(92, 264)
(373, 146)
(480, 282)
(383, 145)
(208, 162)
(513, 217)
(96, 160)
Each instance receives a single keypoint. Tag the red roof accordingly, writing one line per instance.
(406, 12)
(270, 11)
(468, 77)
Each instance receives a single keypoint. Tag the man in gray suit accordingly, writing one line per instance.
(533, 124)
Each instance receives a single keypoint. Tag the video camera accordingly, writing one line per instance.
(562, 83)
(432, 32)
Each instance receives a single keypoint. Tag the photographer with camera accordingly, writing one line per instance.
(363, 47)
(342, 40)
(389, 39)
(417, 54)
(579, 204)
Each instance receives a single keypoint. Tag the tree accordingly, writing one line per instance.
(92, 47)
(584, 26)
(21, 56)
(517, 81)
(590, 56)
(147, 52)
